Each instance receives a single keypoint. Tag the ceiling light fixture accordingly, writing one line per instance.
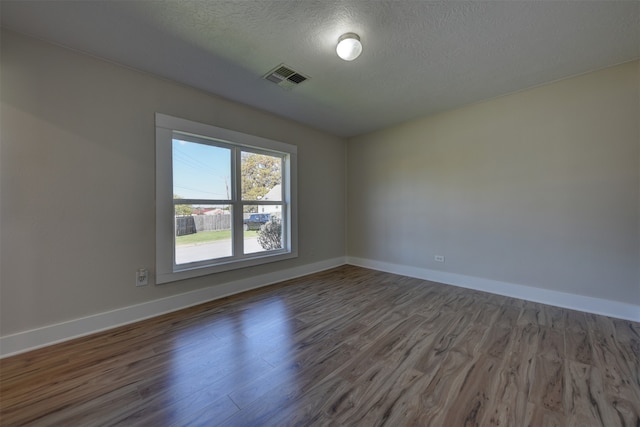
(349, 46)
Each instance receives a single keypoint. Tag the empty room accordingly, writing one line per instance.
(309, 213)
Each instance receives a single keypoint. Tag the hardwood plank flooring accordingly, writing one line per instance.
(348, 346)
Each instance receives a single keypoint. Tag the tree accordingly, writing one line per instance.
(182, 210)
(270, 234)
(260, 173)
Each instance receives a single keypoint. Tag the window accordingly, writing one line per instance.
(224, 199)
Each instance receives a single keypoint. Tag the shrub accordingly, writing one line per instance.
(270, 234)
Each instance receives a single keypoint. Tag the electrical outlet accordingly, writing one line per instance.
(439, 258)
(142, 277)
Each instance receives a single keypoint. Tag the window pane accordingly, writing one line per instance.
(201, 171)
(203, 232)
(261, 177)
(262, 229)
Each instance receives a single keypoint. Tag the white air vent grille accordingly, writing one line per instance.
(285, 77)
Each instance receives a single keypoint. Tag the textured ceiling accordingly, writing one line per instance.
(419, 57)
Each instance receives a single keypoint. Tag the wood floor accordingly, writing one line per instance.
(349, 347)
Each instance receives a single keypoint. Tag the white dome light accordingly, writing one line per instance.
(349, 46)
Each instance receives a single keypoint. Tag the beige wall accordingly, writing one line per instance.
(538, 188)
(77, 183)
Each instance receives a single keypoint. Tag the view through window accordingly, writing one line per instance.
(203, 190)
(231, 202)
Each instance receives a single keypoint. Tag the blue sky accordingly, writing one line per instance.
(199, 170)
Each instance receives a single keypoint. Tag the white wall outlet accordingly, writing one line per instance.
(439, 258)
(142, 277)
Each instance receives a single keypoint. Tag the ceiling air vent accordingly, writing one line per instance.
(285, 77)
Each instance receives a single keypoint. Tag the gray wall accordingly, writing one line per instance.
(77, 183)
(538, 188)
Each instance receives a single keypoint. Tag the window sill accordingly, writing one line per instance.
(198, 271)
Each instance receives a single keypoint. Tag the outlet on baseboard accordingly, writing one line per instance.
(439, 258)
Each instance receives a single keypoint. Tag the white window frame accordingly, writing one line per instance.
(166, 268)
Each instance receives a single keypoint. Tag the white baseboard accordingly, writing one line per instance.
(52, 334)
(587, 304)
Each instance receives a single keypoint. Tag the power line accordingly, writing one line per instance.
(198, 190)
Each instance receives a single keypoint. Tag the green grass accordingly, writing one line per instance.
(209, 236)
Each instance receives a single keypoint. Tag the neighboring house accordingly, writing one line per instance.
(215, 212)
(274, 195)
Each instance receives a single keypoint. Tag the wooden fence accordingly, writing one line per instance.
(198, 223)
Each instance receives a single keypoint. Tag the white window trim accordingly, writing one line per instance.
(166, 271)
